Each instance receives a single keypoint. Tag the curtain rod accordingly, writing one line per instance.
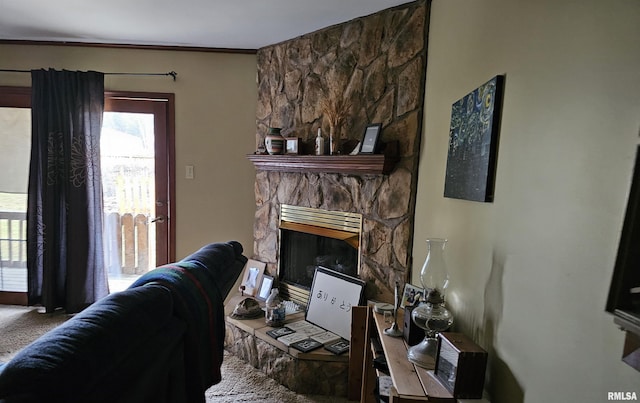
(171, 73)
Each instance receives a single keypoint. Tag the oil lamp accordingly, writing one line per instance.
(431, 315)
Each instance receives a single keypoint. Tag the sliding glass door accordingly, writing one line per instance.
(15, 143)
(137, 157)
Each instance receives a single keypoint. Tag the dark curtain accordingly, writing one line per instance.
(65, 260)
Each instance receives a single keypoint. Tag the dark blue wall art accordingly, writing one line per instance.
(473, 143)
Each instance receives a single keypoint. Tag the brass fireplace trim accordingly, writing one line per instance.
(340, 225)
(338, 220)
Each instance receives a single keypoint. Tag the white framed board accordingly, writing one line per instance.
(332, 296)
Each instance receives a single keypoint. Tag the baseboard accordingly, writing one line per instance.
(13, 298)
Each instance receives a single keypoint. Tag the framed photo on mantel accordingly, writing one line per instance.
(292, 145)
(370, 138)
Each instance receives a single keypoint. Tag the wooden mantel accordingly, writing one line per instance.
(376, 164)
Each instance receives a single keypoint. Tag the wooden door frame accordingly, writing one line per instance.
(161, 105)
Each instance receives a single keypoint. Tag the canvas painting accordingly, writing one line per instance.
(473, 143)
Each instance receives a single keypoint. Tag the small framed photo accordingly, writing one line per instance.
(265, 288)
(279, 332)
(370, 138)
(339, 347)
(252, 277)
(292, 145)
(411, 295)
(306, 345)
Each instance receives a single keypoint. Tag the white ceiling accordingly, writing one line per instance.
(239, 24)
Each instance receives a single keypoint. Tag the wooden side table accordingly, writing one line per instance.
(411, 383)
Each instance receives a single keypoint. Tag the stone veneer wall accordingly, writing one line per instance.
(378, 63)
(301, 376)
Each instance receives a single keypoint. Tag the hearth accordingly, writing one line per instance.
(312, 238)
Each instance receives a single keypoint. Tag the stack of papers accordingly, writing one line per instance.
(303, 335)
(325, 337)
(292, 338)
(299, 325)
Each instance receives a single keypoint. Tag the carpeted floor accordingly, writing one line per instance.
(19, 326)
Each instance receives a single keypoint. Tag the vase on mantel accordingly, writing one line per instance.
(274, 141)
(333, 141)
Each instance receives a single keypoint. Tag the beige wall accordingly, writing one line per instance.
(215, 99)
(530, 272)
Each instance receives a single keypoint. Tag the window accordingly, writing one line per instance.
(140, 124)
(15, 143)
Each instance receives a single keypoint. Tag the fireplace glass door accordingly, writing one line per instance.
(302, 253)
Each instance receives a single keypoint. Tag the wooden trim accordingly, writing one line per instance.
(402, 371)
(171, 169)
(358, 343)
(15, 97)
(162, 106)
(13, 298)
(128, 46)
(369, 376)
(376, 164)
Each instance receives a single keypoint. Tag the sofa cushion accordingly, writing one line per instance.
(89, 346)
(224, 261)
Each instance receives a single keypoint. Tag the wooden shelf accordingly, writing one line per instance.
(375, 164)
(411, 383)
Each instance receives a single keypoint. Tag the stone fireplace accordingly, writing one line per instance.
(377, 63)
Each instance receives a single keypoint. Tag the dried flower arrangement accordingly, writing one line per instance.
(335, 108)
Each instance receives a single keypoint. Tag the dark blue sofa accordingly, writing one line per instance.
(161, 340)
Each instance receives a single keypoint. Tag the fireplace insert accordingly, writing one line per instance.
(312, 238)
